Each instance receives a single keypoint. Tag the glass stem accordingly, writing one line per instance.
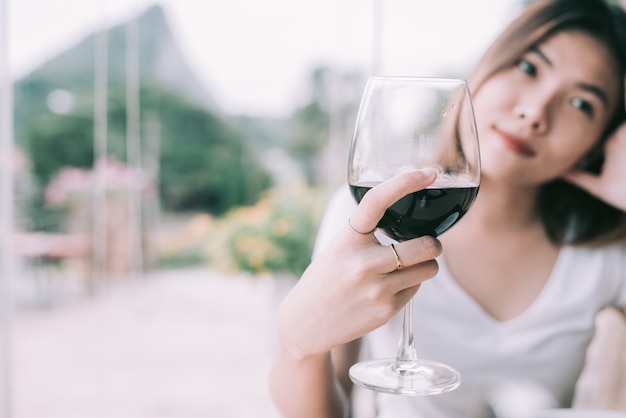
(407, 356)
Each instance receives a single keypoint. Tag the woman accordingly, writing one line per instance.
(523, 275)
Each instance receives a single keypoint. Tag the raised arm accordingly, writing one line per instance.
(352, 287)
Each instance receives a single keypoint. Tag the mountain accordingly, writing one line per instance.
(160, 61)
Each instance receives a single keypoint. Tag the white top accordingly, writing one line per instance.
(543, 348)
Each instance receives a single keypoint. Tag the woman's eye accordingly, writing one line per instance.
(583, 105)
(527, 67)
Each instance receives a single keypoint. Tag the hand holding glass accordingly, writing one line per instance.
(409, 123)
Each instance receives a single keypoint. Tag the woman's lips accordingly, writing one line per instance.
(516, 144)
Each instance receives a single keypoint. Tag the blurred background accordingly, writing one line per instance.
(164, 166)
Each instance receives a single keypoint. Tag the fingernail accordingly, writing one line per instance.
(429, 171)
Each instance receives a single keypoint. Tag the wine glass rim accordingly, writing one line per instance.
(420, 78)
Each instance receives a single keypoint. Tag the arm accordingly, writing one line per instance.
(351, 288)
(315, 386)
(609, 185)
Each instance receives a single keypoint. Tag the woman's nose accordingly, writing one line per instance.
(534, 113)
(534, 123)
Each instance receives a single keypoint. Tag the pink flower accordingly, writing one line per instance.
(72, 182)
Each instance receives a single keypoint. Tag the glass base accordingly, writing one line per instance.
(424, 377)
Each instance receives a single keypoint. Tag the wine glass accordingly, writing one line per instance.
(409, 123)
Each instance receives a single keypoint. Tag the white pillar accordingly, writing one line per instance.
(7, 260)
(133, 150)
(99, 221)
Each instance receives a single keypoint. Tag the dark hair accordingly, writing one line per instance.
(570, 214)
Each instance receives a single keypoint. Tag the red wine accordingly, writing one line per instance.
(431, 211)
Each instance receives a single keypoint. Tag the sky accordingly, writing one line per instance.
(255, 56)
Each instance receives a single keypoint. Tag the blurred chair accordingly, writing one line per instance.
(44, 254)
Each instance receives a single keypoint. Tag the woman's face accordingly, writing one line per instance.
(538, 118)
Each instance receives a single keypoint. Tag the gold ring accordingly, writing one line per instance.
(399, 265)
(358, 232)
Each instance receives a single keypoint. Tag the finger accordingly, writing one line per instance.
(403, 297)
(417, 251)
(412, 276)
(379, 198)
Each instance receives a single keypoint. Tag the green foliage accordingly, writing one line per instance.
(57, 142)
(331, 93)
(310, 125)
(205, 162)
(276, 235)
(184, 258)
(311, 129)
